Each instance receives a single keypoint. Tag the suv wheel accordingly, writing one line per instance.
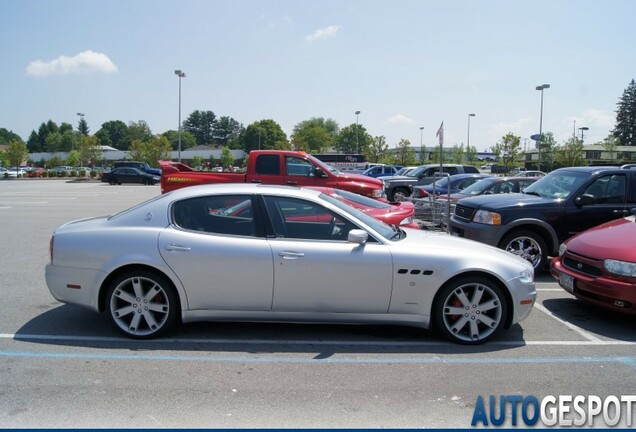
(400, 194)
(529, 246)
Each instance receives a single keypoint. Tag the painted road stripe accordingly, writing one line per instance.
(629, 361)
(586, 335)
(24, 337)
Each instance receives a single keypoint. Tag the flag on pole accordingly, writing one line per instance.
(440, 134)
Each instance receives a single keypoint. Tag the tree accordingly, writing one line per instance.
(6, 137)
(507, 150)
(227, 158)
(201, 125)
(315, 135)
(89, 150)
(114, 133)
(265, 135)
(73, 158)
(353, 139)
(609, 144)
(82, 126)
(625, 129)
(548, 151)
(471, 154)
(187, 139)
(571, 153)
(377, 150)
(17, 152)
(152, 151)
(225, 131)
(405, 154)
(53, 142)
(458, 153)
(34, 144)
(138, 131)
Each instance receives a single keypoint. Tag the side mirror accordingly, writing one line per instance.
(584, 200)
(358, 236)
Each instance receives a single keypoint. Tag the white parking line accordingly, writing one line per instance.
(593, 342)
(586, 335)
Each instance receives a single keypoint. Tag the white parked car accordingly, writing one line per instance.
(249, 252)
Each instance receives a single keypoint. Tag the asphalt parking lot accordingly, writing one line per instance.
(62, 366)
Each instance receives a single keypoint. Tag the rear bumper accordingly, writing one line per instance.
(74, 285)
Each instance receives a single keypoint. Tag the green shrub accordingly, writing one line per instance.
(82, 173)
(63, 173)
(45, 173)
(93, 174)
(73, 173)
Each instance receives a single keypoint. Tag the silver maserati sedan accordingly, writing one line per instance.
(247, 252)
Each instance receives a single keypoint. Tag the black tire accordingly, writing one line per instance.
(470, 310)
(400, 194)
(529, 246)
(112, 181)
(142, 304)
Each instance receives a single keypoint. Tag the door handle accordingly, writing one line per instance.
(256, 181)
(177, 248)
(290, 255)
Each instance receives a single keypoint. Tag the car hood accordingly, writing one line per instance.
(444, 242)
(359, 178)
(613, 240)
(504, 201)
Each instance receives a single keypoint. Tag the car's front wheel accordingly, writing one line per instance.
(470, 310)
(529, 246)
(142, 304)
(400, 194)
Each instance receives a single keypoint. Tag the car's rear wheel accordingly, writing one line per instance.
(112, 181)
(529, 246)
(142, 304)
(470, 310)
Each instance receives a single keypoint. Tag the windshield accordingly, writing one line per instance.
(380, 227)
(479, 187)
(416, 172)
(317, 162)
(557, 184)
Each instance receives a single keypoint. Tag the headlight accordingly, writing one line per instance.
(377, 193)
(526, 276)
(486, 217)
(621, 268)
(406, 221)
(562, 249)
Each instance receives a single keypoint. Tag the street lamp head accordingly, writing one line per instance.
(80, 114)
(584, 128)
(357, 112)
(543, 86)
(180, 73)
(421, 127)
(471, 115)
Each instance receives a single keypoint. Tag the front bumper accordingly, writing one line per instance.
(488, 234)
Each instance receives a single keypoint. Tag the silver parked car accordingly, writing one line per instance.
(246, 252)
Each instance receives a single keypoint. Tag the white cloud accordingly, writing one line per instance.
(323, 33)
(400, 119)
(84, 62)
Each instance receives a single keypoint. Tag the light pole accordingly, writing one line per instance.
(583, 129)
(468, 138)
(357, 144)
(180, 74)
(540, 143)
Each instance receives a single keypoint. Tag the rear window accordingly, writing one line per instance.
(470, 169)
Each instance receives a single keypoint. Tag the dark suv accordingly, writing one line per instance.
(400, 188)
(554, 208)
(139, 165)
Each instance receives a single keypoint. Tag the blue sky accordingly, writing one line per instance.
(404, 64)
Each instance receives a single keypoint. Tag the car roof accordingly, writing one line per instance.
(245, 188)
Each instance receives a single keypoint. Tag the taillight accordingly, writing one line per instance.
(51, 247)
(421, 193)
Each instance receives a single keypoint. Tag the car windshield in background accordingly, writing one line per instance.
(479, 186)
(442, 182)
(558, 184)
(361, 199)
(416, 172)
(380, 227)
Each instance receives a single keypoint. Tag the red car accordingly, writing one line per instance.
(400, 213)
(599, 265)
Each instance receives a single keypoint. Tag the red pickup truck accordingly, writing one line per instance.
(273, 167)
